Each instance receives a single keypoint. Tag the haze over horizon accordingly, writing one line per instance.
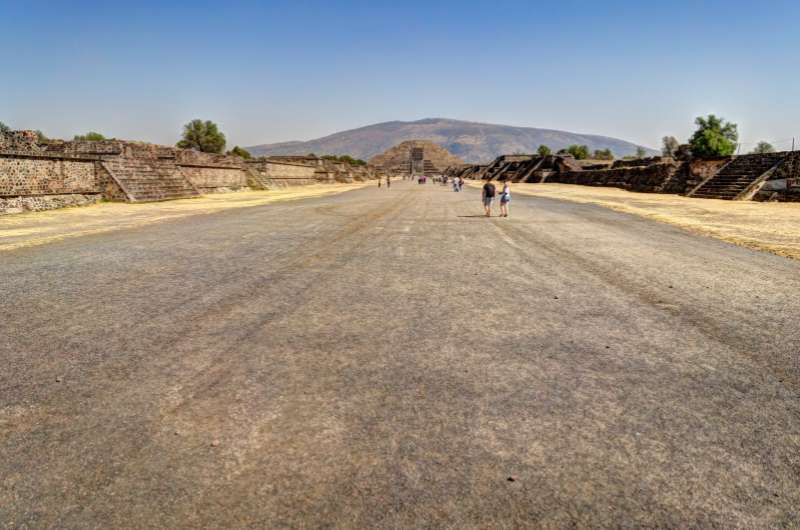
(278, 71)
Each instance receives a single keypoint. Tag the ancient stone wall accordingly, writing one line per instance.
(37, 175)
(20, 141)
(30, 175)
(38, 203)
(784, 183)
(653, 178)
(698, 171)
(283, 173)
(213, 179)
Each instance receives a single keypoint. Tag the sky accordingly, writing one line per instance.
(275, 71)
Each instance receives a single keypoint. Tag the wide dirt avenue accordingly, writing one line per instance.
(392, 359)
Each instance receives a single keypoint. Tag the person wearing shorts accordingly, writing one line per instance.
(488, 197)
(505, 198)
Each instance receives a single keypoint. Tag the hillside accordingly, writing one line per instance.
(473, 142)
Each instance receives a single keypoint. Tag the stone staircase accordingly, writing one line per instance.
(257, 180)
(735, 177)
(429, 168)
(149, 179)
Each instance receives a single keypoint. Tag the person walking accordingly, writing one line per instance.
(505, 198)
(460, 183)
(388, 181)
(487, 194)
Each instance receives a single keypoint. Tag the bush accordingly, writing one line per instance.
(4, 128)
(240, 152)
(580, 152)
(603, 154)
(763, 148)
(670, 146)
(202, 136)
(714, 137)
(544, 150)
(346, 159)
(91, 136)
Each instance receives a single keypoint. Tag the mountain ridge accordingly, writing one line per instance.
(472, 141)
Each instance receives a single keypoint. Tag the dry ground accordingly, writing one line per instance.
(38, 228)
(774, 227)
(317, 364)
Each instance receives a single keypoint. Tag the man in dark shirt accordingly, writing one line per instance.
(487, 195)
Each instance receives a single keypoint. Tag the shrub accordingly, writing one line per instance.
(202, 136)
(714, 137)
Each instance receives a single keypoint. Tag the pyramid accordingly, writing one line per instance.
(416, 156)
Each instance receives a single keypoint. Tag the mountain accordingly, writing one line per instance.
(473, 142)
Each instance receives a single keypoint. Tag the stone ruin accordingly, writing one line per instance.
(416, 157)
(762, 177)
(39, 176)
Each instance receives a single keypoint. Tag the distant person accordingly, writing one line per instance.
(488, 197)
(455, 184)
(388, 182)
(379, 181)
(460, 183)
(505, 198)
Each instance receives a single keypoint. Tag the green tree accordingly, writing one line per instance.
(91, 136)
(202, 136)
(603, 154)
(669, 146)
(763, 148)
(640, 152)
(580, 152)
(4, 128)
(714, 137)
(41, 137)
(345, 159)
(544, 150)
(240, 152)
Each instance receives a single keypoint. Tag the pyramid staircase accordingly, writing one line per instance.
(737, 176)
(428, 168)
(145, 180)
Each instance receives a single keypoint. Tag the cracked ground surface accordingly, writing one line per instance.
(390, 359)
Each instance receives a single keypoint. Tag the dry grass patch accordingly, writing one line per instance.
(38, 228)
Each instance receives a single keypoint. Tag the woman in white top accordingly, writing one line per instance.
(505, 198)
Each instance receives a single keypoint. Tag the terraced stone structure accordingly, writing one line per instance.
(416, 157)
(40, 176)
(773, 176)
(738, 177)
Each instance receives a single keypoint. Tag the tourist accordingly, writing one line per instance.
(460, 183)
(488, 196)
(505, 198)
(388, 182)
(455, 184)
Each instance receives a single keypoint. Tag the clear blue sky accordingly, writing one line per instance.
(284, 70)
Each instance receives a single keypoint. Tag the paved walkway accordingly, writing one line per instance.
(391, 359)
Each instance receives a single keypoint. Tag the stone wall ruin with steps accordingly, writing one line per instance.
(763, 177)
(38, 176)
